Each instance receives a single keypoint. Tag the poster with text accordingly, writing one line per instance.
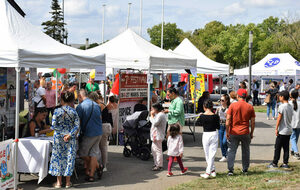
(125, 109)
(11, 78)
(100, 73)
(133, 87)
(6, 174)
(197, 84)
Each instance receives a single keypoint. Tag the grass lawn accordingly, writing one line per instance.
(262, 109)
(259, 177)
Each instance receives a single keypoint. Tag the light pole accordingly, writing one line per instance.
(103, 21)
(141, 16)
(162, 26)
(63, 14)
(129, 5)
(250, 59)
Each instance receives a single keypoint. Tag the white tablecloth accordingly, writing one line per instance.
(34, 155)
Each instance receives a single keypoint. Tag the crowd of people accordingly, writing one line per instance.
(85, 129)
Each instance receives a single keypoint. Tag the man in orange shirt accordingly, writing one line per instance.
(237, 130)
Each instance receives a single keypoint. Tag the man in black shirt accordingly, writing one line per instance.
(141, 105)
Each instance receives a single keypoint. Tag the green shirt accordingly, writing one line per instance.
(176, 112)
(92, 87)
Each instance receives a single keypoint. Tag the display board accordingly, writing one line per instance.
(133, 87)
(197, 84)
(6, 160)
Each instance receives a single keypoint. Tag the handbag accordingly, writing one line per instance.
(81, 133)
(268, 99)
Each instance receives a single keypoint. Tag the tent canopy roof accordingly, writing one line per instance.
(273, 64)
(24, 45)
(204, 64)
(129, 50)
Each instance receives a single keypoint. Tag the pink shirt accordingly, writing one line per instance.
(51, 98)
(175, 145)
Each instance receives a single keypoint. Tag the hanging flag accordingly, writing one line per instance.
(115, 88)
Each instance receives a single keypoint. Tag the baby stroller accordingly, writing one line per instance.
(137, 136)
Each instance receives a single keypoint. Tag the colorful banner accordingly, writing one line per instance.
(197, 84)
(133, 87)
(3, 79)
(6, 171)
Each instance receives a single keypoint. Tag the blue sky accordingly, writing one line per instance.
(84, 17)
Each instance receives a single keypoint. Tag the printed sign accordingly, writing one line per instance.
(197, 84)
(125, 109)
(272, 62)
(133, 87)
(6, 171)
(155, 81)
(100, 73)
(175, 78)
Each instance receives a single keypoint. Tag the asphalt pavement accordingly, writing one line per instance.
(132, 173)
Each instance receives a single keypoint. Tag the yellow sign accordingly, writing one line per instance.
(197, 84)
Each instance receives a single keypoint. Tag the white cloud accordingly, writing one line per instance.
(228, 11)
(261, 3)
(76, 7)
(112, 10)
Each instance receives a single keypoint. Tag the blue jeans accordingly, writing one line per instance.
(223, 140)
(272, 105)
(294, 140)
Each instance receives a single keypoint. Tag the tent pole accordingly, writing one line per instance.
(80, 80)
(104, 95)
(56, 86)
(149, 93)
(119, 123)
(195, 94)
(18, 69)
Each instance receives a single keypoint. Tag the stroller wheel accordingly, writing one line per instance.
(126, 152)
(145, 153)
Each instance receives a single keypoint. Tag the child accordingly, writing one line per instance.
(210, 123)
(157, 135)
(283, 130)
(295, 123)
(175, 149)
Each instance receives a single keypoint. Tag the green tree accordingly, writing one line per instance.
(55, 26)
(172, 35)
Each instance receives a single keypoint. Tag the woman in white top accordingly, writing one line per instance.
(113, 108)
(295, 123)
(157, 134)
(222, 112)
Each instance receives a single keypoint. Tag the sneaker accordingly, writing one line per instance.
(156, 168)
(185, 170)
(213, 174)
(285, 166)
(272, 165)
(169, 174)
(245, 172)
(230, 173)
(273, 118)
(205, 175)
(268, 118)
(296, 156)
(223, 159)
(292, 153)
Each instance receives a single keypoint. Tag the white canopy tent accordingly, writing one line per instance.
(129, 50)
(24, 45)
(204, 64)
(273, 64)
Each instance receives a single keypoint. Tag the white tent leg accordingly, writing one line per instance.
(18, 69)
(56, 87)
(149, 93)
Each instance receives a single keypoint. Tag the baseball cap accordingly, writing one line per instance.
(242, 92)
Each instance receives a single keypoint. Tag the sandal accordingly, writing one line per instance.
(56, 186)
(100, 172)
(69, 186)
(90, 179)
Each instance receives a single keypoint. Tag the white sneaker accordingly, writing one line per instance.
(205, 175)
(268, 118)
(223, 159)
(213, 174)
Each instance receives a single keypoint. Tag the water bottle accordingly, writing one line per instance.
(36, 132)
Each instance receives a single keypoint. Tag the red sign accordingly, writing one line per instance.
(133, 87)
